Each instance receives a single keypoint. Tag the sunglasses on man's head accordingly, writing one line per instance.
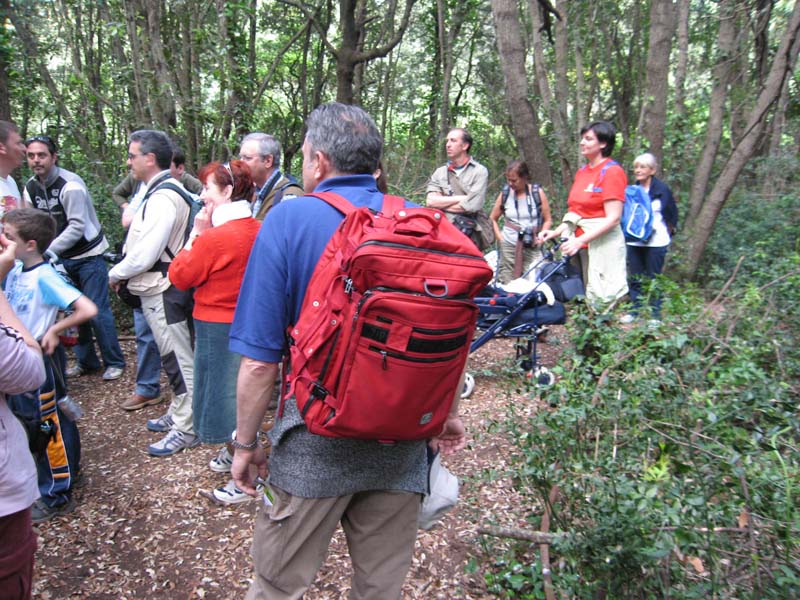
(44, 139)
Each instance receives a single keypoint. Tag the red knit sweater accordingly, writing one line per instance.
(215, 266)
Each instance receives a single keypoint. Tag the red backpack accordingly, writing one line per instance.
(386, 324)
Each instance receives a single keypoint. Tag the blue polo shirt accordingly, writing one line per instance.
(283, 258)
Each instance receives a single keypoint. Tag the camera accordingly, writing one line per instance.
(527, 237)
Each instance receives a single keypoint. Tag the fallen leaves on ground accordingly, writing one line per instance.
(142, 529)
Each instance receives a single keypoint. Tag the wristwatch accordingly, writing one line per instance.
(240, 446)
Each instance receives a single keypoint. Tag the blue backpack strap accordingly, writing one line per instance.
(605, 168)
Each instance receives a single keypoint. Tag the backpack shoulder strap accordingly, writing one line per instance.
(537, 200)
(338, 202)
(392, 204)
(181, 191)
(505, 192)
(190, 202)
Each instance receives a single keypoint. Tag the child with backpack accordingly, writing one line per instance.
(646, 257)
(37, 292)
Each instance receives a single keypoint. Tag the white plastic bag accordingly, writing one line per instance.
(442, 494)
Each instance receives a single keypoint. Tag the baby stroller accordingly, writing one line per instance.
(524, 316)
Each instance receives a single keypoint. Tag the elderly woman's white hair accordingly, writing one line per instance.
(646, 160)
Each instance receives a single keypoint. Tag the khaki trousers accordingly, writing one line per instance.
(291, 540)
(167, 316)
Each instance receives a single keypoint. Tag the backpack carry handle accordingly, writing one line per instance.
(430, 284)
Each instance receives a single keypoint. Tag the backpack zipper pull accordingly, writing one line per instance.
(385, 363)
(348, 286)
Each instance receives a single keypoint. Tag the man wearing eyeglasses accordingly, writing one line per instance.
(156, 235)
(262, 153)
(79, 246)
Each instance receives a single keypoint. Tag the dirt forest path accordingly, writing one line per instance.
(141, 528)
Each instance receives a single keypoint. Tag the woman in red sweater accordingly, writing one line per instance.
(213, 262)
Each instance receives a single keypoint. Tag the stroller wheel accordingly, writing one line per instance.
(542, 377)
(469, 385)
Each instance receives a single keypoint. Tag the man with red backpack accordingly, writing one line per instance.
(315, 482)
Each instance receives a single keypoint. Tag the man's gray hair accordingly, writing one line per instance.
(347, 135)
(267, 146)
(156, 142)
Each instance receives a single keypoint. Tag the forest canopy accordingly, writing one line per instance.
(709, 87)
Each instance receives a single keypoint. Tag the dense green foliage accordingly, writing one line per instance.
(675, 449)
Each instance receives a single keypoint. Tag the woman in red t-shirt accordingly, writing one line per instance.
(595, 207)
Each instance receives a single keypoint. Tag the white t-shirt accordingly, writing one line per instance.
(9, 195)
(36, 295)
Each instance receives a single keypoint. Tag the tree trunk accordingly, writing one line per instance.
(562, 68)
(782, 67)
(445, 37)
(190, 110)
(682, 62)
(524, 119)
(653, 118)
(5, 100)
(140, 100)
(563, 137)
(164, 85)
(349, 54)
(345, 54)
(726, 45)
(233, 104)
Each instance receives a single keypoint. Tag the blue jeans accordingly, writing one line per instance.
(148, 360)
(57, 466)
(91, 276)
(645, 263)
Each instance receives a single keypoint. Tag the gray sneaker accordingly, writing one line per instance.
(112, 373)
(173, 442)
(161, 424)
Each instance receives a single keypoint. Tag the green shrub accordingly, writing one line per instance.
(674, 450)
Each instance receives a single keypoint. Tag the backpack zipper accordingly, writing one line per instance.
(386, 353)
(415, 249)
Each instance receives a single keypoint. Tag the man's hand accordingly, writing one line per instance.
(247, 464)
(114, 285)
(452, 439)
(7, 252)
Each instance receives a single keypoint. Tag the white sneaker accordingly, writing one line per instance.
(627, 319)
(222, 462)
(230, 494)
(173, 442)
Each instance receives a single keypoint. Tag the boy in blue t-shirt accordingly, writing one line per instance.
(37, 292)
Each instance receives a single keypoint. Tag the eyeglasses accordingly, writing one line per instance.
(44, 139)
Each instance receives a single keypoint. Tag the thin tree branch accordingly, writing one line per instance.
(312, 17)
